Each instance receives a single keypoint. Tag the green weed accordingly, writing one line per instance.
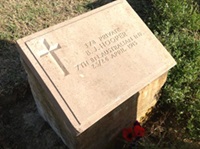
(177, 24)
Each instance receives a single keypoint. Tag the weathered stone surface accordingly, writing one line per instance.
(94, 74)
(149, 96)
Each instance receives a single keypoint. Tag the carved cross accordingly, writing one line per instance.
(49, 49)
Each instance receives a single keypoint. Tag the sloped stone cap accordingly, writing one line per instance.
(94, 62)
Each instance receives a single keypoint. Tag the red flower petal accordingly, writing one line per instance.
(138, 131)
(127, 134)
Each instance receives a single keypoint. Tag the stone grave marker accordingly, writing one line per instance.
(94, 74)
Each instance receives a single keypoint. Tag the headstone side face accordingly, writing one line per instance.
(149, 95)
(50, 110)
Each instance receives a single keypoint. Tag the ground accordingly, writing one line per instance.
(22, 127)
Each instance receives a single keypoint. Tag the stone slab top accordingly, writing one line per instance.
(96, 61)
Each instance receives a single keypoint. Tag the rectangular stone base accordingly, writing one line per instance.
(104, 131)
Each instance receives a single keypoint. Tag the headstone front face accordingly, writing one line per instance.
(83, 72)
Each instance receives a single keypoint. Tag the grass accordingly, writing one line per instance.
(179, 30)
(175, 121)
(21, 18)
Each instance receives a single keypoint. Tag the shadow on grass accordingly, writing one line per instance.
(143, 8)
(13, 80)
(20, 124)
(163, 131)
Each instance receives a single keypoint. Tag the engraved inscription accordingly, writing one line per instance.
(49, 49)
(107, 47)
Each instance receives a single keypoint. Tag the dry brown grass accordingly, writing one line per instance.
(20, 18)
